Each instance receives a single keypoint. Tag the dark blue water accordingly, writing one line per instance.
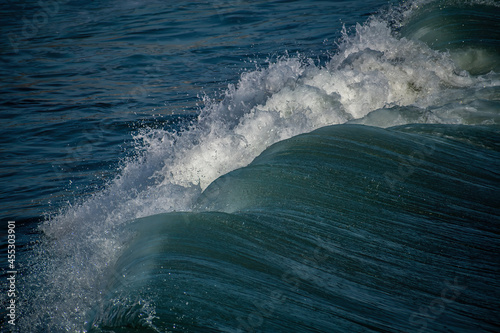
(230, 166)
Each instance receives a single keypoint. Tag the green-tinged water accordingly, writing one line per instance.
(346, 229)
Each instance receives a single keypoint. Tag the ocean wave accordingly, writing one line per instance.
(384, 73)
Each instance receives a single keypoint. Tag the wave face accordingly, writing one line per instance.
(341, 227)
(348, 228)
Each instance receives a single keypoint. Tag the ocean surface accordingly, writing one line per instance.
(250, 166)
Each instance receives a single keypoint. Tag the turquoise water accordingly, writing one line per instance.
(275, 166)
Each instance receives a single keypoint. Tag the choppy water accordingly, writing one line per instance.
(305, 166)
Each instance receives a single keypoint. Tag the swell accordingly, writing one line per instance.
(469, 30)
(346, 228)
